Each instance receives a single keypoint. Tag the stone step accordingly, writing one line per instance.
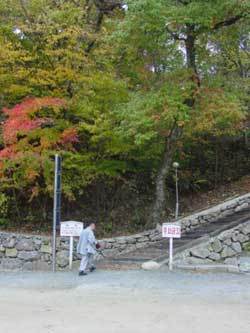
(159, 250)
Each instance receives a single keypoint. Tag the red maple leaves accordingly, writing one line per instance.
(24, 118)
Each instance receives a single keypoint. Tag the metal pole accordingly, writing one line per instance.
(56, 209)
(170, 254)
(177, 194)
(70, 252)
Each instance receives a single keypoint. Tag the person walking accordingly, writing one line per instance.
(86, 247)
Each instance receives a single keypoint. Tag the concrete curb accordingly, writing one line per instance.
(211, 268)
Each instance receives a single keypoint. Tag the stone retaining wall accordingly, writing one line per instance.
(225, 248)
(214, 213)
(26, 252)
(29, 252)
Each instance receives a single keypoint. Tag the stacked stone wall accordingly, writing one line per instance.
(29, 252)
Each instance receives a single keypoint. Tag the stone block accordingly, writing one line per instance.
(131, 240)
(40, 266)
(122, 247)
(2, 248)
(129, 248)
(12, 253)
(214, 256)
(238, 237)
(46, 248)
(29, 255)
(140, 245)
(225, 235)
(236, 247)
(194, 222)
(216, 245)
(121, 240)
(150, 265)
(37, 243)
(11, 264)
(246, 229)
(241, 207)
(46, 257)
(10, 242)
(227, 252)
(227, 241)
(25, 244)
(62, 258)
(186, 223)
(142, 239)
(200, 252)
(155, 237)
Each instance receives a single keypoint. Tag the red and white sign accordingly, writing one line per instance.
(171, 230)
(71, 229)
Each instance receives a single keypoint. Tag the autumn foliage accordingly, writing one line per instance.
(120, 94)
(23, 119)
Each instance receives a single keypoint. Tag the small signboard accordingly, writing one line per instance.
(171, 230)
(71, 229)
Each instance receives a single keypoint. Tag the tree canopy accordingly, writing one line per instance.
(120, 91)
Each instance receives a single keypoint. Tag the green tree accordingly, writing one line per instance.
(54, 49)
(177, 88)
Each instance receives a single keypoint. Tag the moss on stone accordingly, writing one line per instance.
(246, 246)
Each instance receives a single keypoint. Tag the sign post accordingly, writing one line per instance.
(171, 231)
(57, 207)
(71, 241)
(71, 229)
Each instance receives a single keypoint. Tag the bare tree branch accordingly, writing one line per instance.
(228, 22)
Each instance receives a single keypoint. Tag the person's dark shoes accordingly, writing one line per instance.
(92, 269)
(82, 273)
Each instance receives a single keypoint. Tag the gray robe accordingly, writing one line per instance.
(87, 242)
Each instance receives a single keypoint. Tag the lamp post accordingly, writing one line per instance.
(176, 166)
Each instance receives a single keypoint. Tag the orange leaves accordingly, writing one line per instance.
(69, 136)
(7, 153)
(217, 113)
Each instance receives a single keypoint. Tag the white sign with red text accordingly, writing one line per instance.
(171, 230)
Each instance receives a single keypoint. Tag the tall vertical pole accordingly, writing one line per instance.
(177, 194)
(57, 207)
(170, 263)
(71, 244)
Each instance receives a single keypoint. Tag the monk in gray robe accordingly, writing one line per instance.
(87, 248)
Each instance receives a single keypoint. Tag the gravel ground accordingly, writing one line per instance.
(124, 301)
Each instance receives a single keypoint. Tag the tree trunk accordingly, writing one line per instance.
(170, 146)
(160, 195)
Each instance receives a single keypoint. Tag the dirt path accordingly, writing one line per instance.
(131, 302)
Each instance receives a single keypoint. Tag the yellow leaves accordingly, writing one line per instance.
(181, 123)
(216, 113)
(31, 174)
